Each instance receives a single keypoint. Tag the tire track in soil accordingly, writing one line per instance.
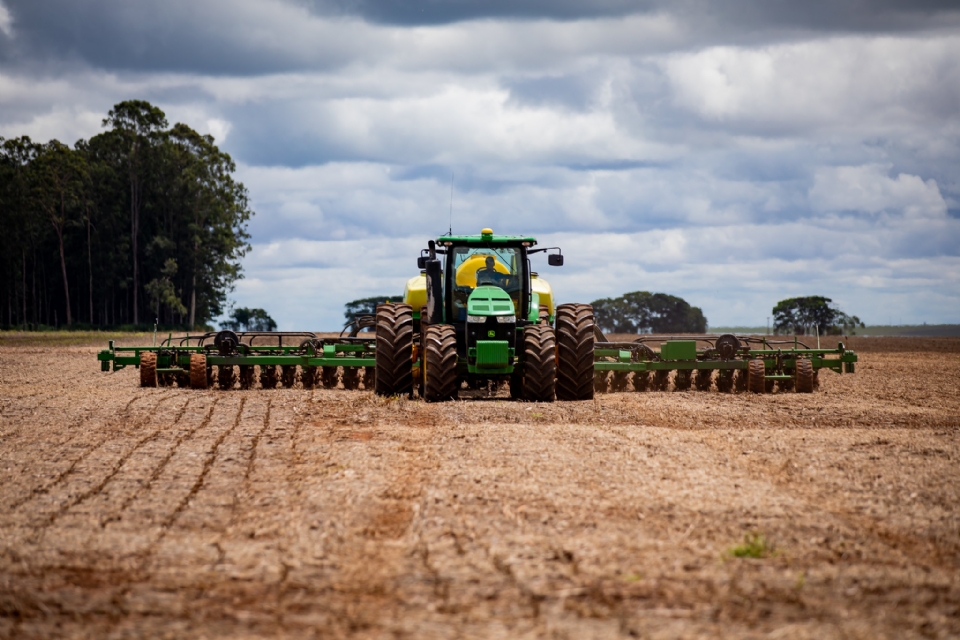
(106, 437)
(162, 464)
(45, 524)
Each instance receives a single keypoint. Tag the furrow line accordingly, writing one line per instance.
(198, 484)
(52, 518)
(163, 463)
(83, 456)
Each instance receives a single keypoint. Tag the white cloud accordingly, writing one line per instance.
(6, 21)
(869, 189)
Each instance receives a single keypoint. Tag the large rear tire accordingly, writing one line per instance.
(440, 363)
(540, 364)
(148, 369)
(394, 349)
(575, 336)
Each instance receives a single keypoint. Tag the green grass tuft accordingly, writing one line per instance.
(754, 545)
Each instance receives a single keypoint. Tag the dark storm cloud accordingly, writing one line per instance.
(820, 15)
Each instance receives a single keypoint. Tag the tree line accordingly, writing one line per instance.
(645, 312)
(141, 222)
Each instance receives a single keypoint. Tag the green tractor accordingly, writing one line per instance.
(481, 317)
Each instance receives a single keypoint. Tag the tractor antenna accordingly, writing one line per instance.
(450, 233)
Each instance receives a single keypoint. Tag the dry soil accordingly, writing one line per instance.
(130, 512)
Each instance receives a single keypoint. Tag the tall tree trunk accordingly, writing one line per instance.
(134, 232)
(63, 269)
(193, 300)
(23, 254)
(90, 269)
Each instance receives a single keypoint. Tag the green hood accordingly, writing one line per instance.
(490, 301)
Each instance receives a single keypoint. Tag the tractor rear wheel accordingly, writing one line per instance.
(198, 371)
(574, 361)
(440, 363)
(148, 369)
(804, 376)
(540, 363)
(755, 373)
(394, 357)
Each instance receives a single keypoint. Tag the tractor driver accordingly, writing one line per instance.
(489, 275)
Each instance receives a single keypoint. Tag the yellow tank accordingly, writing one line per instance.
(415, 292)
(543, 289)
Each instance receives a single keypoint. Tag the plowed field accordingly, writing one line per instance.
(130, 512)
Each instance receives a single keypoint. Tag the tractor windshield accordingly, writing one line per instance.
(478, 266)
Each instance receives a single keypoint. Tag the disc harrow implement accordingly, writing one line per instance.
(246, 360)
(731, 363)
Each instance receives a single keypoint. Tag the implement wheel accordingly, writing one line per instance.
(148, 369)
(755, 373)
(269, 376)
(247, 376)
(574, 363)
(601, 381)
(661, 380)
(310, 377)
(439, 363)
(369, 377)
(804, 376)
(330, 377)
(702, 379)
(540, 363)
(740, 380)
(351, 377)
(725, 381)
(198, 371)
(226, 376)
(288, 377)
(641, 380)
(619, 381)
(683, 380)
(394, 357)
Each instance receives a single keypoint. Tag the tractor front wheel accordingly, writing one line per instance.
(394, 356)
(540, 364)
(575, 337)
(439, 363)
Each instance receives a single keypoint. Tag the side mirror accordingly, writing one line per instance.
(422, 262)
(555, 259)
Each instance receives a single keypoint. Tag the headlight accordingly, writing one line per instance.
(476, 318)
(506, 319)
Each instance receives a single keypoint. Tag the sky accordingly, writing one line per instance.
(734, 154)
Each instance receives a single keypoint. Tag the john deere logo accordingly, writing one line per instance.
(491, 334)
